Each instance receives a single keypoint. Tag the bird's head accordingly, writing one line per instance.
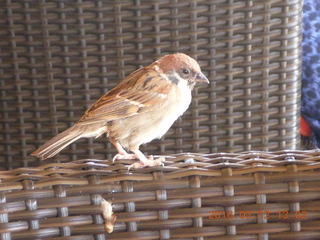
(180, 67)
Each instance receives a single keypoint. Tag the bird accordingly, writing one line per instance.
(141, 108)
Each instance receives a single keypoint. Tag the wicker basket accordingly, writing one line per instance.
(252, 195)
(58, 57)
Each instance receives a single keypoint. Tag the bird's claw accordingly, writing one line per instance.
(120, 156)
(150, 163)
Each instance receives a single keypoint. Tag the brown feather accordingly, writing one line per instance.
(132, 96)
(57, 143)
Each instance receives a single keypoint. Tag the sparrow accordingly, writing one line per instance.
(142, 107)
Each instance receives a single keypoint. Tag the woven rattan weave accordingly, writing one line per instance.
(58, 57)
(264, 195)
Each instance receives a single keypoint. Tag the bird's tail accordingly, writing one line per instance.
(59, 142)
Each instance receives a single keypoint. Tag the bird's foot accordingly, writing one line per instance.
(148, 162)
(124, 155)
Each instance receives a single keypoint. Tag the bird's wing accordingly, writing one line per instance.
(143, 90)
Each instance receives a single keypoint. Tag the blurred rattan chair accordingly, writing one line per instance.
(221, 196)
(58, 57)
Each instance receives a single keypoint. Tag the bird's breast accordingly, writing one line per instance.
(144, 127)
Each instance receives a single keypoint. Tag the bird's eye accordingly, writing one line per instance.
(185, 71)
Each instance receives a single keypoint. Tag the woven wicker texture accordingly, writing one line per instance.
(58, 57)
(62, 200)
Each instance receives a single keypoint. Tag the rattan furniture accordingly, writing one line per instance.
(253, 195)
(243, 178)
(58, 57)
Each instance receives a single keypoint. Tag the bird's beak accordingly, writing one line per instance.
(201, 78)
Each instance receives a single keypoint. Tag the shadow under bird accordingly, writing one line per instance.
(139, 109)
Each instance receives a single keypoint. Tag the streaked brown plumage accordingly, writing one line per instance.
(139, 109)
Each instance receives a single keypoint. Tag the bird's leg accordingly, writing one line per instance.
(146, 162)
(122, 154)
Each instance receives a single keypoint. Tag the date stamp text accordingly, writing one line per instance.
(260, 214)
